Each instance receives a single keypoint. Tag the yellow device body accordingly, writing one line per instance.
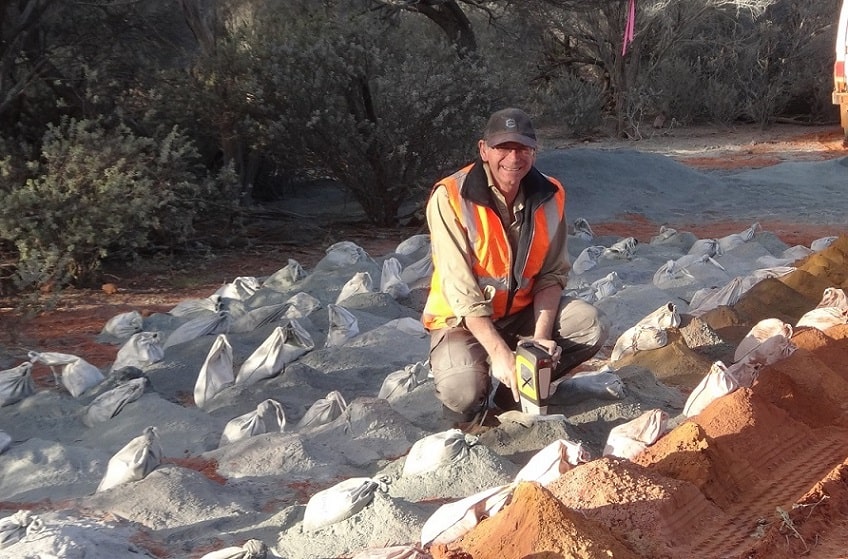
(533, 373)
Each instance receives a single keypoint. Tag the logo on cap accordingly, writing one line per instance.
(510, 125)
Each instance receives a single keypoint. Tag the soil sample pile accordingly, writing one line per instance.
(675, 364)
(830, 263)
(761, 472)
(654, 514)
(797, 531)
(688, 454)
(535, 524)
(812, 383)
(809, 285)
(787, 297)
(772, 298)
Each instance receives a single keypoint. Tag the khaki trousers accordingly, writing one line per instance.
(460, 365)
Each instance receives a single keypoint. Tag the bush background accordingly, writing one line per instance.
(128, 129)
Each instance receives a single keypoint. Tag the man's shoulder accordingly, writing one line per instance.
(550, 178)
(541, 184)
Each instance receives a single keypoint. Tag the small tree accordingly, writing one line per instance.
(575, 102)
(101, 191)
(382, 108)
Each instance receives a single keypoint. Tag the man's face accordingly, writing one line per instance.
(509, 162)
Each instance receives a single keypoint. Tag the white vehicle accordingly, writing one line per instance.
(840, 84)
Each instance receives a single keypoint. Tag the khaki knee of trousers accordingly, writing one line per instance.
(581, 323)
(581, 331)
(460, 369)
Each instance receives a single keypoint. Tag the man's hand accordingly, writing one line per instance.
(503, 369)
(552, 348)
(501, 357)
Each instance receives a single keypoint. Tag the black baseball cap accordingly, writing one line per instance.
(510, 125)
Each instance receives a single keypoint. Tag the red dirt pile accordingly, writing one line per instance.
(760, 473)
(536, 524)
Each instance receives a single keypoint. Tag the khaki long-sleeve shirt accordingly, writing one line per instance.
(448, 240)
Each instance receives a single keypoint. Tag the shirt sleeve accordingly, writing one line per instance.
(557, 262)
(452, 258)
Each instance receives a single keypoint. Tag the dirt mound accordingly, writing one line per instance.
(536, 524)
(761, 472)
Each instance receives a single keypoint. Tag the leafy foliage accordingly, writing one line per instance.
(381, 107)
(100, 191)
(572, 101)
(688, 57)
(377, 116)
(383, 101)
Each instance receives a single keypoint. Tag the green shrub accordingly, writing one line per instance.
(101, 192)
(721, 101)
(571, 101)
(382, 109)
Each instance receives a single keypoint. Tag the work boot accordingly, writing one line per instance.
(473, 424)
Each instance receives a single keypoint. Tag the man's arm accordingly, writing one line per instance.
(550, 283)
(501, 356)
(452, 254)
(545, 306)
(557, 263)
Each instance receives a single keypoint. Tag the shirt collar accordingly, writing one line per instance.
(518, 203)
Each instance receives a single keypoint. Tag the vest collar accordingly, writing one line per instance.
(475, 188)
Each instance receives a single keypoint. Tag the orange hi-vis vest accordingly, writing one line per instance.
(505, 278)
